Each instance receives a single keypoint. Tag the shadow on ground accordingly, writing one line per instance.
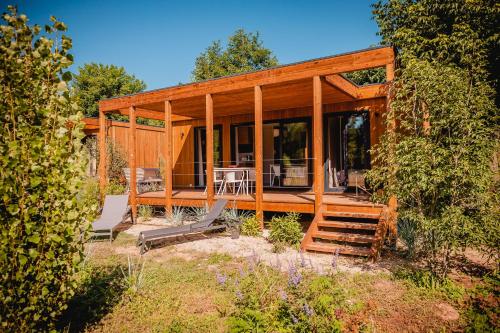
(100, 290)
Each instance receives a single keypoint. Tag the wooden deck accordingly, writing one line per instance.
(274, 201)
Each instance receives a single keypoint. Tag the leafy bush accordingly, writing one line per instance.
(286, 229)
(146, 212)
(483, 306)
(42, 172)
(251, 226)
(269, 301)
(116, 161)
(114, 187)
(90, 194)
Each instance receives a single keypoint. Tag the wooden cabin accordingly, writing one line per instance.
(299, 133)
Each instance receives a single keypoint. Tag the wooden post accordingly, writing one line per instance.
(132, 165)
(209, 125)
(259, 182)
(391, 127)
(226, 142)
(168, 158)
(102, 154)
(318, 143)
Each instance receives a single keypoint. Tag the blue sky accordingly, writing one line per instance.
(158, 41)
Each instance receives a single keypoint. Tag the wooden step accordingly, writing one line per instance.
(347, 225)
(352, 215)
(330, 248)
(344, 237)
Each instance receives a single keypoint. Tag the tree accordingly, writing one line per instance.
(244, 53)
(97, 81)
(41, 173)
(438, 162)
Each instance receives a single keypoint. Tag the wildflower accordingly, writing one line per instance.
(239, 295)
(294, 276)
(283, 295)
(338, 313)
(294, 319)
(302, 259)
(221, 278)
(335, 259)
(242, 272)
(278, 262)
(308, 310)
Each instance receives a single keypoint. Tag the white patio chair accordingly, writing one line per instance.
(274, 172)
(218, 181)
(234, 178)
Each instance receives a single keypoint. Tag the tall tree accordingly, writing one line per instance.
(41, 171)
(438, 162)
(245, 52)
(94, 82)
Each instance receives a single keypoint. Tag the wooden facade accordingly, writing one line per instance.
(310, 91)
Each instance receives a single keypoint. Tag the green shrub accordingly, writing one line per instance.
(114, 187)
(483, 306)
(408, 233)
(42, 163)
(251, 226)
(286, 229)
(90, 194)
(146, 212)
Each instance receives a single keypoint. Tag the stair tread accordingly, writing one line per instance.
(347, 225)
(352, 214)
(331, 248)
(344, 236)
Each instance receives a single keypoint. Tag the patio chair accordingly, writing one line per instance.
(139, 178)
(218, 181)
(274, 172)
(233, 178)
(207, 224)
(113, 213)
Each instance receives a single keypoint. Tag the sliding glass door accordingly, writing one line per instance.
(200, 152)
(285, 151)
(347, 150)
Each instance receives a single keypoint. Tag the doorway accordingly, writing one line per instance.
(347, 155)
(200, 152)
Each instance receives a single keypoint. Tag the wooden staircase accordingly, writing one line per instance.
(353, 230)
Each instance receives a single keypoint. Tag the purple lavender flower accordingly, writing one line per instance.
(221, 278)
(278, 262)
(239, 295)
(294, 319)
(308, 310)
(283, 295)
(302, 259)
(242, 272)
(294, 276)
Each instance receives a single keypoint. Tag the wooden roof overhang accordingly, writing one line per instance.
(287, 86)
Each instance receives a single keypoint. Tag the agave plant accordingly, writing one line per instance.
(198, 213)
(133, 276)
(177, 216)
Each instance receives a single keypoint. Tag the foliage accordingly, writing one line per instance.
(483, 306)
(438, 162)
(94, 82)
(90, 194)
(460, 32)
(408, 233)
(41, 174)
(286, 229)
(177, 216)
(245, 52)
(115, 188)
(268, 301)
(133, 276)
(251, 226)
(146, 212)
(367, 76)
(116, 161)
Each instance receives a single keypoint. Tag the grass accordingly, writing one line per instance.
(180, 294)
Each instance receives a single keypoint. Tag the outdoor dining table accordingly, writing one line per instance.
(245, 171)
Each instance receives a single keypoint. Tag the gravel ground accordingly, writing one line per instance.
(257, 247)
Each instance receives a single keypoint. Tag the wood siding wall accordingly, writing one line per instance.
(151, 140)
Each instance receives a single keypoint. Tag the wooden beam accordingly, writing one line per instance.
(102, 154)
(341, 83)
(132, 163)
(209, 123)
(318, 143)
(325, 66)
(259, 166)
(168, 158)
(151, 114)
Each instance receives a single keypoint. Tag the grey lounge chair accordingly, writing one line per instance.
(113, 213)
(207, 224)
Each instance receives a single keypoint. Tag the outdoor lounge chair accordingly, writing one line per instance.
(207, 224)
(113, 213)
